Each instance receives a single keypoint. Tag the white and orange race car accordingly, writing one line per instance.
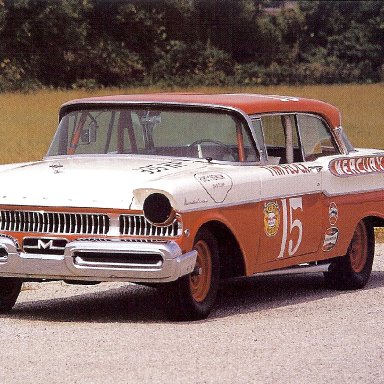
(180, 191)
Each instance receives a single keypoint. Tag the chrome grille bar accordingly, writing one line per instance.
(54, 222)
(138, 225)
(82, 224)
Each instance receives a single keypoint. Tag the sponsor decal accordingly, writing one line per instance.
(354, 166)
(217, 185)
(333, 213)
(330, 238)
(161, 167)
(287, 169)
(271, 218)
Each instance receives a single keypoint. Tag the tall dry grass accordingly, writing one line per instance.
(28, 122)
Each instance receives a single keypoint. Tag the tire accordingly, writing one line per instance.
(193, 296)
(9, 292)
(353, 270)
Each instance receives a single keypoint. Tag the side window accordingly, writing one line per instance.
(316, 138)
(281, 139)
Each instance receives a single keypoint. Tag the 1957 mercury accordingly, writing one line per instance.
(180, 191)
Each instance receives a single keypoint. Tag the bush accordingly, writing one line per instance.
(183, 65)
(13, 78)
(332, 71)
(86, 84)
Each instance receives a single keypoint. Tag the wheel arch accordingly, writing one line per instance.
(352, 271)
(375, 221)
(231, 257)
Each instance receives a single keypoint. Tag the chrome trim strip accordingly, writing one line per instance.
(296, 270)
(359, 192)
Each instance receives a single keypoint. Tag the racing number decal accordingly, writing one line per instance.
(294, 203)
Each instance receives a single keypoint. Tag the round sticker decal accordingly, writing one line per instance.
(271, 218)
(333, 213)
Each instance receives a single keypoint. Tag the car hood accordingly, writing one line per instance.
(105, 182)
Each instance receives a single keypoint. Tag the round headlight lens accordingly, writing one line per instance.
(158, 209)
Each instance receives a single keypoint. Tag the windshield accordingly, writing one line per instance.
(152, 131)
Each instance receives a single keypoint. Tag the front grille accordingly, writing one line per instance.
(138, 225)
(62, 223)
(54, 222)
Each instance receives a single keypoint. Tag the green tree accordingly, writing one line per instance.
(291, 24)
(187, 65)
(63, 43)
(43, 35)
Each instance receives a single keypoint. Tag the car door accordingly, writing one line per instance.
(291, 190)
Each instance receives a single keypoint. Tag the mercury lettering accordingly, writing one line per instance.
(357, 165)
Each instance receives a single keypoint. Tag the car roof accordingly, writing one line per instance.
(251, 104)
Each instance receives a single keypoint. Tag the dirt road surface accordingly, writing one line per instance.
(289, 329)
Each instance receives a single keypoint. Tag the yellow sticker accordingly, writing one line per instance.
(271, 218)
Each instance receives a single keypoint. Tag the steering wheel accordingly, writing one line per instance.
(216, 142)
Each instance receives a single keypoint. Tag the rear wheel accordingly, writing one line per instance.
(354, 269)
(9, 292)
(193, 296)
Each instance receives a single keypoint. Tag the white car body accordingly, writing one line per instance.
(288, 191)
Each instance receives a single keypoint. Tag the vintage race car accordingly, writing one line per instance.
(181, 191)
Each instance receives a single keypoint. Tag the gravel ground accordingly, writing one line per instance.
(287, 329)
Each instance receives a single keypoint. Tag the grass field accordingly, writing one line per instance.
(28, 121)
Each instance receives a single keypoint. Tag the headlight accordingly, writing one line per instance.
(158, 210)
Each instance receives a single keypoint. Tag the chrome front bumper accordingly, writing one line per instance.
(99, 261)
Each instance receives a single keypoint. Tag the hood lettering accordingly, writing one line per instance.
(161, 167)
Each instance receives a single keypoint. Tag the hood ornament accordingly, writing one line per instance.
(56, 167)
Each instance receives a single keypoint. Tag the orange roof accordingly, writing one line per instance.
(248, 103)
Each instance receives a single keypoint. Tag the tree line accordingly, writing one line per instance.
(103, 43)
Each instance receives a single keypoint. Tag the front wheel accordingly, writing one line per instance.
(193, 296)
(9, 292)
(354, 269)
